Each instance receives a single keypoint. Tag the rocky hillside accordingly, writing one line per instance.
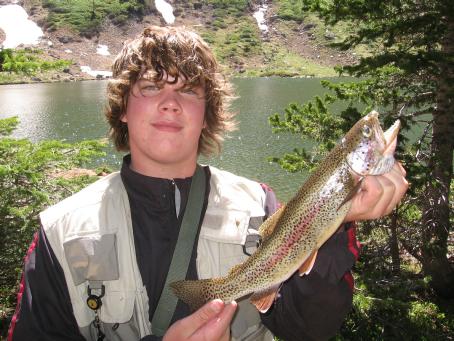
(280, 46)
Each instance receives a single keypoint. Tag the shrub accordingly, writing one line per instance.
(27, 186)
(28, 62)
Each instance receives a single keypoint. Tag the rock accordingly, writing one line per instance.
(73, 173)
(273, 18)
(308, 27)
(197, 5)
(66, 70)
(65, 39)
(2, 36)
(329, 35)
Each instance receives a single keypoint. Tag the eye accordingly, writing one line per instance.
(367, 131)
(148, 89)
(193, 91)
(188, 90)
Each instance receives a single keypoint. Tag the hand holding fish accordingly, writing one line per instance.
(359, 179)
(378, 195)
(210, 323)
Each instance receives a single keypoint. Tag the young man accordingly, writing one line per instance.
(99, 264)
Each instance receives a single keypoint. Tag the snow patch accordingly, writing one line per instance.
(103, 50)
(259, 15)
(166, 10)
(96, 73)
(17, 27)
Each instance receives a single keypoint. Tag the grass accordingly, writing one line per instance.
(281, 62)
(290, 10)
(237, 44)
(28, 65)
(86, 16)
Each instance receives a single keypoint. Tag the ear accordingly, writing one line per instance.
(123, 118)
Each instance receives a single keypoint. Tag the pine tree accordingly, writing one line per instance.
(410, 73)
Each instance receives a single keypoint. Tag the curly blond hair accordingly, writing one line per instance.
(176, 52)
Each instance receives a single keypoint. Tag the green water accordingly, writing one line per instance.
(74, 111)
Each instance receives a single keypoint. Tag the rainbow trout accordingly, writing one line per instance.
(292, 235)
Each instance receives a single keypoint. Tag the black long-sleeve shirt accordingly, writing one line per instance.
(309, 307)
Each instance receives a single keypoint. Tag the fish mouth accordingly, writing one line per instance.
(390, 136)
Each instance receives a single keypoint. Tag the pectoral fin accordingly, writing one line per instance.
(308, 264)
(352, 193)
(263, 300)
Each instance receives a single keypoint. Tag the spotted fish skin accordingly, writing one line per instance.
(296, 231)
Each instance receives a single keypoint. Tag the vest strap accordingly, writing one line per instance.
(182, 253)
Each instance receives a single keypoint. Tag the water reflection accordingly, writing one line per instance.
(67, 111)
(74, 111)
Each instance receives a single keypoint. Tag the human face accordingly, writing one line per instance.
(164, 121)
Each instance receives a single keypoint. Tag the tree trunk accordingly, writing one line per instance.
(394, 244)
(436, 213)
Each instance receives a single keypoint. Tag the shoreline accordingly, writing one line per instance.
(72, 78)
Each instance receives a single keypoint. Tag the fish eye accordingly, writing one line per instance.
(367, 131)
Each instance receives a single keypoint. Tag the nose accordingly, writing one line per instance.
(169, 103)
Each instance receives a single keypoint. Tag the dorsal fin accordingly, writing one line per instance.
(268, 226)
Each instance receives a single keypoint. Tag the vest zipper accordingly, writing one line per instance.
(177, 198)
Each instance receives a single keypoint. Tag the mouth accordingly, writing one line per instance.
(167, 126)
(390, 136)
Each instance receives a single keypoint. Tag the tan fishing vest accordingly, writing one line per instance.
(91, 235)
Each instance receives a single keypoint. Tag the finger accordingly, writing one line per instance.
(391, 195)
(374, 197)
(398, 169)
(384, 199)
(363, 201)
(226, 320)
(206, 313)
(401, 168)
(191, 324)
(370, 193)
(219, 327)
(397, 176)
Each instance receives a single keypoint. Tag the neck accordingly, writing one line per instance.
(164, 170)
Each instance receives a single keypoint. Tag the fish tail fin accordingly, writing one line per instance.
(193, 293)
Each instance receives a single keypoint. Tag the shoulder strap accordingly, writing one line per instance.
(182, 253)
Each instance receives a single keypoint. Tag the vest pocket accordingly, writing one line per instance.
(93, 259)
(117, 307)
(225, 226)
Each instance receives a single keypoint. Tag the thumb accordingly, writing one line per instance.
(207, 312)
(204, 314)
(185, 328)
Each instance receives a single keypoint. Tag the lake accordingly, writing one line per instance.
(74, 111)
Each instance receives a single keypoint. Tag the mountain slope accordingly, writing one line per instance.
(288, 47)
